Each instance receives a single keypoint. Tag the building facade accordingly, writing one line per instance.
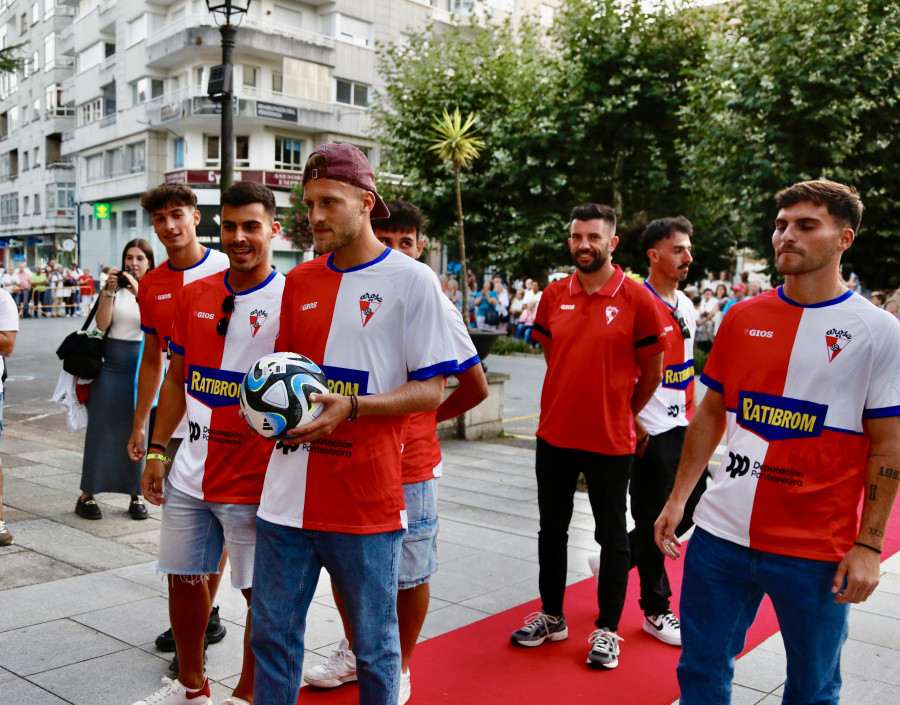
(125, 107)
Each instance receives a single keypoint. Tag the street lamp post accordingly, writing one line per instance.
(220, 81)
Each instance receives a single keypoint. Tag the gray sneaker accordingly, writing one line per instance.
(604, 653)
(540, 627)
(6, 538)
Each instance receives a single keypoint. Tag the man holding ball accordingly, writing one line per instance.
(371, 318)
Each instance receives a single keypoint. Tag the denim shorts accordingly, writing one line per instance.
(194, 533)
(418, 556)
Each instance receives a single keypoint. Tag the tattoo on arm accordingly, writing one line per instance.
(889, 473)
(873, 490)
(876, 532)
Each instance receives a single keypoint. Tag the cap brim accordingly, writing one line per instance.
(380, 210)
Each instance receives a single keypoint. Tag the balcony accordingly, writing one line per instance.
(181, 40)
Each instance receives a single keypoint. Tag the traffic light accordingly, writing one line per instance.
(102, 211)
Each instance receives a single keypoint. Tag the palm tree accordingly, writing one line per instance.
(457, 142)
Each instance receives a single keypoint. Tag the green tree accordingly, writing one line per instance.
(457, 142)
(508, 78)
(795, 90)
(295, 224)
(9, 59)
(625, 77)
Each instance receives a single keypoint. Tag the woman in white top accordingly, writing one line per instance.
(107, 466)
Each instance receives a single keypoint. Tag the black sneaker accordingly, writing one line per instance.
(88, 508)
(137, 510)
(173, 667)
(540, 627)
(604, 653)
(215, 632)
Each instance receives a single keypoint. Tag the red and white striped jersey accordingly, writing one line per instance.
(157, 293)
(672, 404)
(798, 382)
(371, 329)
(421, 459)
(220, 460)
(159, 290)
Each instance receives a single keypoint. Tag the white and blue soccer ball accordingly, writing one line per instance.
(275, 393)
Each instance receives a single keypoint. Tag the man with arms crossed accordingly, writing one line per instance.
(420, 466)
(372, 318)
(174, 215)
(223, 324)
(597, 327)
(806, 379)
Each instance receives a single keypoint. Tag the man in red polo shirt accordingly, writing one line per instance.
(597, 327)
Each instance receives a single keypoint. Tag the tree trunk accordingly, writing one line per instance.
(464, 268)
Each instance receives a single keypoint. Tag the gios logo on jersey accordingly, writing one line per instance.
(678, 376)
(342, 380)
(780, 418)
(214, 387)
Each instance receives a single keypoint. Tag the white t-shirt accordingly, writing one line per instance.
(126, 318)
(9, 320)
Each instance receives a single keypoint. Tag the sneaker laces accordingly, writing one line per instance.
(338, 656)
(605, 641)
(669, 619)
(169, 687)
(541, 619)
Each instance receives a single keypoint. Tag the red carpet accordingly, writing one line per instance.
(477, 664)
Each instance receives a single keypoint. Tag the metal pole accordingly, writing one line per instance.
(227, 147)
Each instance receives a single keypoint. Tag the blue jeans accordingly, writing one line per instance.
(723, 586)
(286, 570)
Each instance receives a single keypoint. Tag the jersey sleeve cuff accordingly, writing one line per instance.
(713, 384)
(442, 368)
(148, 330)
(465, 365)
(882, 412)
(175, 348)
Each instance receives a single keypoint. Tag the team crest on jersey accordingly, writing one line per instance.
(611, 313)
(368, 305)
(835, 341)
(257, 318)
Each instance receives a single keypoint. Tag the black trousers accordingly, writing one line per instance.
(557, 472)
(652, 479)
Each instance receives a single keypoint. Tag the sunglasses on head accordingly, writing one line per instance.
(227, 308)
(679, 319)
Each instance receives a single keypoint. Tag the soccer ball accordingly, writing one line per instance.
(275, 393)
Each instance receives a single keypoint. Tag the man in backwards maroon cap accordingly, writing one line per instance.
(372, 319)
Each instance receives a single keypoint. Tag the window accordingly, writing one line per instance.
(352, 93)
(61, 199)
(304, 79)
(35, 13)
(277, 82)
(134, 157)
(37, 204)
(353, 31)
(198, 75)
(129, 221)
(90, 112)
(26, 205)
(94, 168)
(115, 162)
(49, 51)
(178, 149)
(25, 115)
(37, 156)
(212, 150)
(9, 208)
(145, 89)
(25, 161)
(23, 23)
(36, 109)
(251, 74)
(288, 154)
(242, 150)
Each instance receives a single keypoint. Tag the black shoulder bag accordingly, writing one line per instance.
(82, 351)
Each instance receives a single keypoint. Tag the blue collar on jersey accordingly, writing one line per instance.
(255, 288)
(673, 308)
(822, 304)
(380, 257)
(202, 260)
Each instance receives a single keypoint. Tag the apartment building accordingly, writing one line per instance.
(130, 110)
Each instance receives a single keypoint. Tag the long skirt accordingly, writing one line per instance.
(107, 466)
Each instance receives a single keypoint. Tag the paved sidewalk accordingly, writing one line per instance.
(81, 603)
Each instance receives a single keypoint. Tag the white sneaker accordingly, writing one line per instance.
(174, 693)
(340, 668)
(405, 688)
(594, 564)
(664, 627)
(6, 538)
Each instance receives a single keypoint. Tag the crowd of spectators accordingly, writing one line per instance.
(49, 291)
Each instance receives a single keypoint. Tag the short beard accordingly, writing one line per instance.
(595, 265)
